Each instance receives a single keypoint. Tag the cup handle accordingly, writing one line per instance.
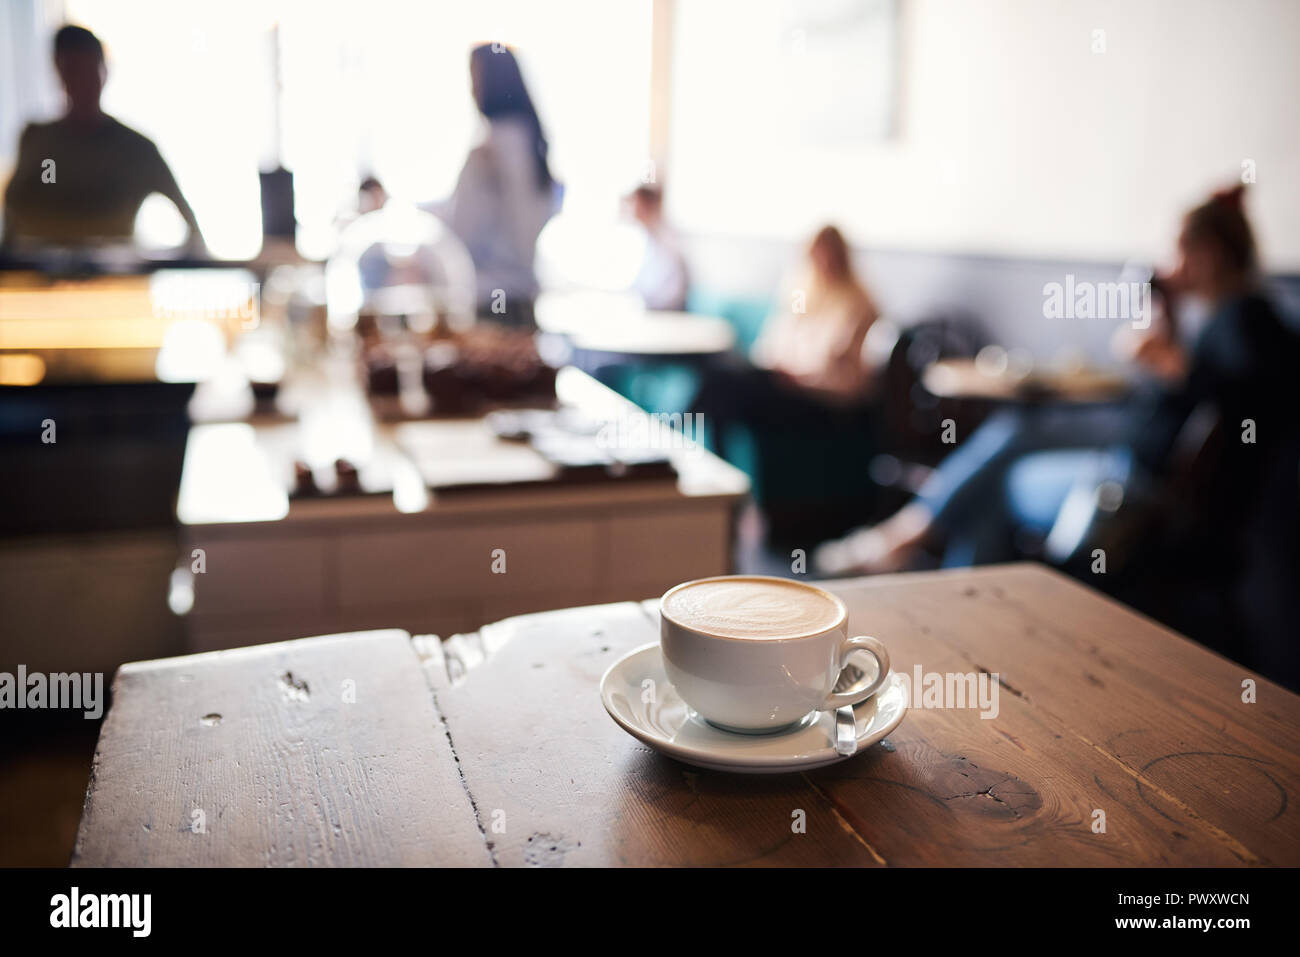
(877, 650)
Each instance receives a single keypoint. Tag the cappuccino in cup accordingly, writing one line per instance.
(753, 608)
(756, 654)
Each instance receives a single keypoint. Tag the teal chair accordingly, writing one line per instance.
(668, 387)
(809, 486)
(746, 314)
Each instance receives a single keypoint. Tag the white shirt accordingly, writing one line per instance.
(497, 210)
(820, 343)
(662, 281)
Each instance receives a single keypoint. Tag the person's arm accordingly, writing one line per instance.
(1156, 349)
(1162, 356)
(765, 352)
(165, 184)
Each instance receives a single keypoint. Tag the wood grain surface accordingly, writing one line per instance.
(1102, 716)
(320, 751)
(1099, 710)
(1102, 710)
(556, 782)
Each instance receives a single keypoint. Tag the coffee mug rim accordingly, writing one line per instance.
(841, 621)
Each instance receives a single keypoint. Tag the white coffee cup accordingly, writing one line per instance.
(756, 685)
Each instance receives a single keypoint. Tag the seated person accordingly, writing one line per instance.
(663, 279)
(81, 179)
(808, 369)
(1244, 362)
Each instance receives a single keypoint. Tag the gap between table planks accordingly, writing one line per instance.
(283, 767)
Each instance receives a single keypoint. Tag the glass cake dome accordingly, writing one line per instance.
(399, 262)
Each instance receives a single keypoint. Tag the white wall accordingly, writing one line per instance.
(1014, 136)
(27, 85)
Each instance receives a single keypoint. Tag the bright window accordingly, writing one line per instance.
(378, 87)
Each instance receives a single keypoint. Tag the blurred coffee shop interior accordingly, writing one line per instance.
(423, 315)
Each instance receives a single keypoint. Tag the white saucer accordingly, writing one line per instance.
(668, 725)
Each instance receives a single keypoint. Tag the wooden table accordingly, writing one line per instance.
(493, 748)
(965, 379)
(618, 326)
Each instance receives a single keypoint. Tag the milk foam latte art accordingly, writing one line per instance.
(753, 607)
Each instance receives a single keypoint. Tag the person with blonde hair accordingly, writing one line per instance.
(808, 372)
(1016, 470)
(813, 342)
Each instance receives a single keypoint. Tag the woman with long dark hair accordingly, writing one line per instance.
(505, 193)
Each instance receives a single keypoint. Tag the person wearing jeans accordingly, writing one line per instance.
(1020, 465)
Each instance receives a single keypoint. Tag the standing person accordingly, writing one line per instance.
(808, 371)
(505, 193)
(82, 178)
(663, 279)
